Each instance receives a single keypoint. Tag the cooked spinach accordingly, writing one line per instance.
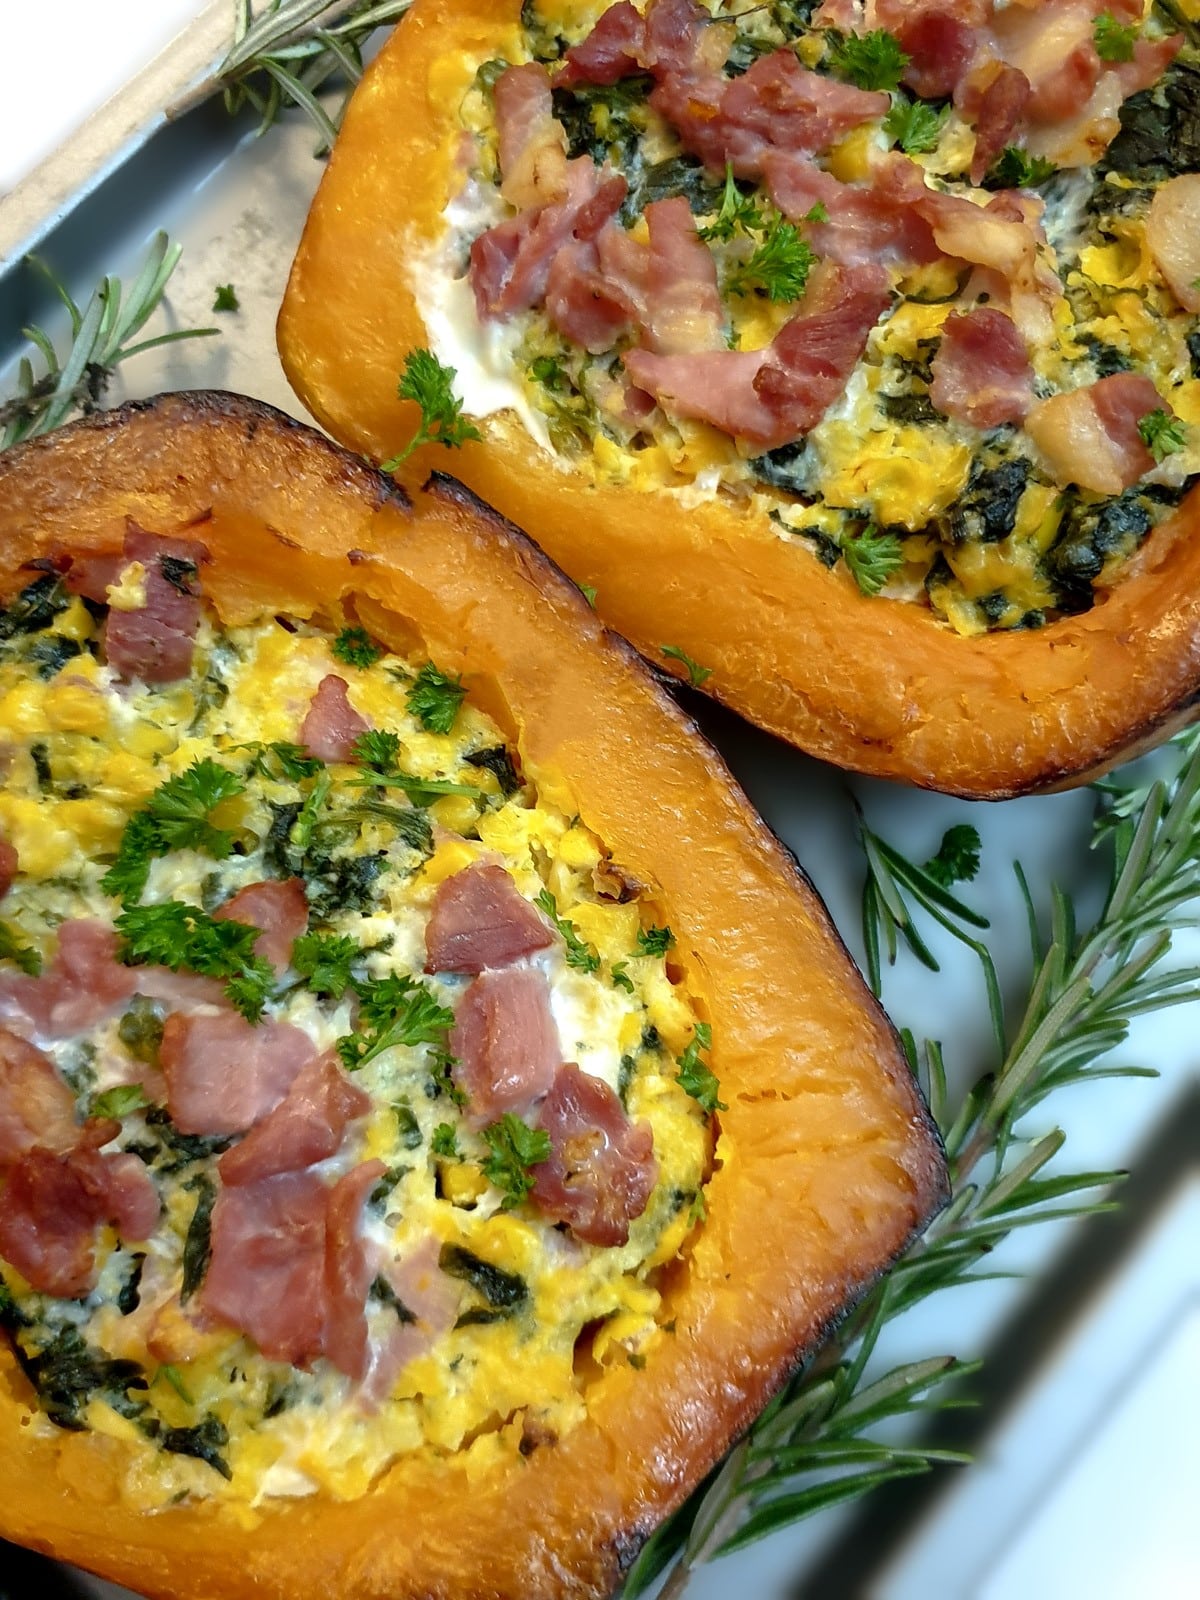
(1090, 536)
(67, 1373)
(172, 1150)
(502, 1290)
(1160, 129)
(35, 607)
(197, 1246)
(382, 1291)
(496, 760)
(205, 1442)
(605, 121)
(130, 1297)
(49, 655)
(344, 883)
(660, 180)
(785, 468)
(988, 508)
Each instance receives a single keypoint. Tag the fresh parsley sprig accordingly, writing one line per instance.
(327, 962)
(580, 954)
(696, 1077)
(175, 817)
(394, 1011)
(186, 939)
(356, 648)
(816, 1444)
(871, 60)
(871, 557)
(1163, 434)
(698, 676)
(430, 385)
(915, 125)
(654, 941)
(378, 752)
(779, 266)
(1015, 168)
(434, 698)
(738, 213)
(1114, 41)
(515, 1148)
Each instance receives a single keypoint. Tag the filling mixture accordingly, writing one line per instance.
(350, 1103)
(915, 282)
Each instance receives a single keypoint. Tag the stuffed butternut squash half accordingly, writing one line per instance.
(847, 352)
(435, 1114)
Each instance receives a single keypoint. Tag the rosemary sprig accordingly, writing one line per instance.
(101, 336)
(292, 50)
(815, 1445)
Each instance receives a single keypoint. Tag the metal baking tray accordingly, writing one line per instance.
(1083, 1464)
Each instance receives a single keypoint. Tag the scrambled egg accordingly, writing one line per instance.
(208, 1415)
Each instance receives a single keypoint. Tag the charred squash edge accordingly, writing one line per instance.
(827, 1163)
(878, 686)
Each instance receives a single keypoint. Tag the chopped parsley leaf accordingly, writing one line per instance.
(325, 960)
(431, 386)
(738, 213)
(620, 977)
(434, 699)
(284, 760)
(696, 1077)
(871, 60)
(445, 1141)
(957, 858)
(872, 557)
(396, 1010)
(377, 749)
(1015, 169)
(1113, 41)
(175, 817)
(1163, 434)
(915, 125)
(356, 648)
(654, 941)
(22, 955)
(697, 675)
(120, 1101)
(184, 938)
(589, 592)
(515, 1147)
(225, 298)
(778, 268)
(580, 955)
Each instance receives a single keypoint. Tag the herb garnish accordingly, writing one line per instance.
(1113, 41)
(325, 961)
(120, 1101)
(283, 760)
(356, 648)
(580, 954)
(871, 557)
(871, 60)
(396, 1010)
(175, 817)
(1015, 169)
(515, 1147)
(378, 752)
(696, 1077)
(185, 939)
(434, 699)
(23, 955)
(739, 213)
(915, 125)
(654, 941)
(225, 298)
(431, 386)
(779, 266)
(445, 1141)
(697, 675)
(1163, 434)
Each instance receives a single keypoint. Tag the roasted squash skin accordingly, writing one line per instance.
(826, 1162)
(875, 685)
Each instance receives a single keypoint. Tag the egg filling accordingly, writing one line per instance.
(452, 1306)
(979, 523)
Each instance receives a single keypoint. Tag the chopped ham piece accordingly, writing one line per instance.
(771, 396)
(331, 724)
(981, 372)
(278, 908)
(1090, 436)
(612, 50)
(481, 919)
(348, 1270)
(429, 1298)
(154, 641)
(938, 37)
(994, 98)
(223, 1075)
(579, 298)
(601, 1168)
(776, 105)
(533, 143)
(8, 865)
(867, 222)
(36, 1106)
(267, 1274)
(82, 985)
(51, 1205)
(510, 263)
(305, 1127)
(506, 1043)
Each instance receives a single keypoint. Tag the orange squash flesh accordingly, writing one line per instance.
(826, 1161)
(875, 685)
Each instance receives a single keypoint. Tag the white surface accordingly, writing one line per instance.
(242, 224)
(63, 61)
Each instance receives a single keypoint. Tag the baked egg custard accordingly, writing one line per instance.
(350, 1103)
